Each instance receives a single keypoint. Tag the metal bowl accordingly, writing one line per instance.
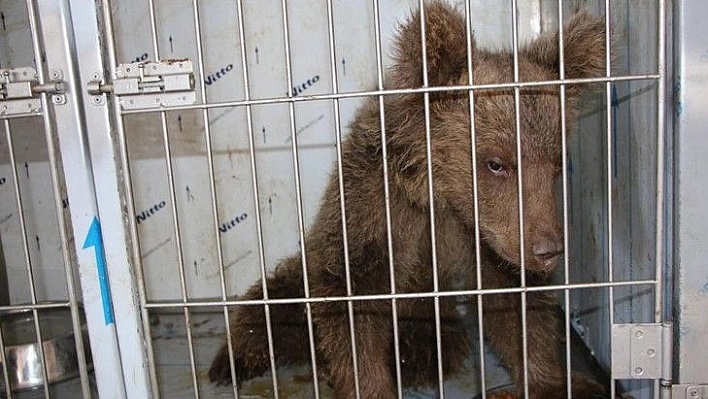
(22, 352)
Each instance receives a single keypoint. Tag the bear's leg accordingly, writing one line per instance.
(418, 341)
(546, 369)
(249, 334)
(373, 334)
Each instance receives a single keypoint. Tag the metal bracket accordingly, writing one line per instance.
(145, 85)
(19, 90)
(689, 391)
(642, 351)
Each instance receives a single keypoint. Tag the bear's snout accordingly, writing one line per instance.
(547, 251)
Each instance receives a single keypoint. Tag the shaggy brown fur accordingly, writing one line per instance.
(454, 220)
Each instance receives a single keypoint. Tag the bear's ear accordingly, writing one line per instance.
(584, 53)
(446, 47)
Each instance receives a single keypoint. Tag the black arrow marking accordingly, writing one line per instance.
(27, 169)
(37, 238)
(258, 61)
(344, 67)
(270, 205)
(264, 135)
(190, 197)
(2, 17)
(172, 48)
(196, 270)
(179, 122)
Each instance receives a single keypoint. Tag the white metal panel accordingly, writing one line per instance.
(100, 173)
(691, 251)
(57, 36)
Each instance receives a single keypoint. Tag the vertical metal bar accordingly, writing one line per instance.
(342, 199)
(387, 198)
(257, 208)
(5, 374)
(58, 191)
(517, 114)
(129, 199)
(298, 192)
(73, 49)
(175, 215)
(37, 53)
(608, 111)
(475, 195)
(212, 190)
(431, 200)
(3, 357)
(340, 175)
(58, 184)
(660, 150)
(25, 247)
(662, 388)
(564, 182)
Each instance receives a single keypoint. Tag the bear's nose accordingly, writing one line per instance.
(547, 251)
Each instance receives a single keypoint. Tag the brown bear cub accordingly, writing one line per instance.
(453, 206)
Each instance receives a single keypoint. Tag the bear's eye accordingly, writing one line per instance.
(496, 166)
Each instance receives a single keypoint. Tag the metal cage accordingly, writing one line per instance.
(186, 146)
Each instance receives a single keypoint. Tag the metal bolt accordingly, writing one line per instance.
(59, 99)
(638, 371)
(693, 392)
(651, 352)
(95, 76)
(98, 100)
(55, 74)
(639, 334)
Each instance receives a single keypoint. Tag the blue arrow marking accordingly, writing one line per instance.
(94, 239)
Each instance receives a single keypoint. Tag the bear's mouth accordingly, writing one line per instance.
(512, 259)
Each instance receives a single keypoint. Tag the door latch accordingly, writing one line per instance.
(145, 85)
(20, 89)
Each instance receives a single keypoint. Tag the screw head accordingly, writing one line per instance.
(638, 371)
(639, 334)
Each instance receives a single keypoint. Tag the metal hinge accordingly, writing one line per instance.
(20, 89)
(642, 351)
(689, 391)
(144, 85)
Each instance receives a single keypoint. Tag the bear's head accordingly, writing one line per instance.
(495, 126)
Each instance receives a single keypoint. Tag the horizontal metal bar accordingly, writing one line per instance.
(317, 97)
(46, 305)
(414, 295)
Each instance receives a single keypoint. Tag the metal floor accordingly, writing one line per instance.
(175, 380)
